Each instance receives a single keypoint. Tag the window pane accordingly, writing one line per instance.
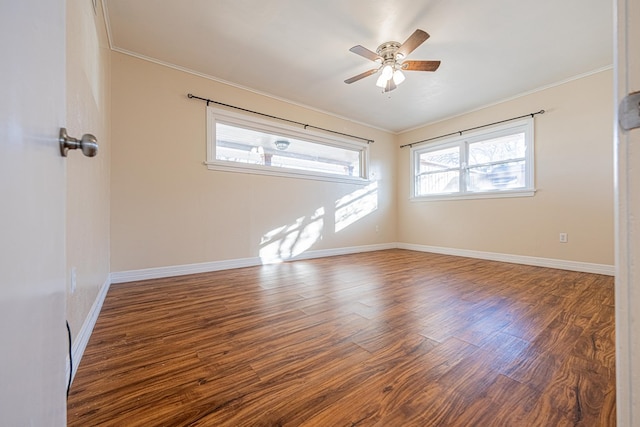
(502, 176)
(241, 145)
(496, 162)
(438, 183)
(448, 158)
(499, 149)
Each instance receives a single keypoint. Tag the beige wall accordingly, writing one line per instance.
(88, 111)
(168, 209)
(574, 179)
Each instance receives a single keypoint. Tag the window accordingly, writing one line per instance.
(493, 162)
(244, 143)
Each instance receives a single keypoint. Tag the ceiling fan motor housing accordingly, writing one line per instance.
(388, 51)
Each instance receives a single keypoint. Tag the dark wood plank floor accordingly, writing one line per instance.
(388, 338)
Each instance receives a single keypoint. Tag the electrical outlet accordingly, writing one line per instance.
(564, 237)
(73, 279)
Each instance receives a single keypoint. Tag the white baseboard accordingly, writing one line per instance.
(205, 267)
(585, 267)
(323, 253)
(181, 270)
(82, 339)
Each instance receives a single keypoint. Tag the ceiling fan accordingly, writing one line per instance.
(390, 56)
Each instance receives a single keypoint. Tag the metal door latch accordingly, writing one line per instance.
(629, 111)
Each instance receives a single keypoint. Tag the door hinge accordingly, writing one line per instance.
(629, 111)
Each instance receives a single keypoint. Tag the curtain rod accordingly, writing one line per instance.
(211, 101)
(474, 128)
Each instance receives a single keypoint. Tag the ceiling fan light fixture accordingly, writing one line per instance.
(382, 81)
(387, 71)
(398, 77)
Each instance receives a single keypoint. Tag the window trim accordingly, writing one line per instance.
(246, 121)
(463, 141)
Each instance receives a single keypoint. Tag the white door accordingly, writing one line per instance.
(627, 160)
(32, 214)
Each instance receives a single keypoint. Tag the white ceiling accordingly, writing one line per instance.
(298, 50)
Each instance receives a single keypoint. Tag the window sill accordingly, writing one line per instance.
(286, 173)
(470, 196)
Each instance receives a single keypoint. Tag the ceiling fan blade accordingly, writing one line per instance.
(416, 39)
(390, 86)
(363, 51)
(420, 65)
(361, 76)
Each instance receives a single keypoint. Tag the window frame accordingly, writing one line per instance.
(248, 121)
(463, 141)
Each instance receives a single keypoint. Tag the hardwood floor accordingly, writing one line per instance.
(388, 338)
